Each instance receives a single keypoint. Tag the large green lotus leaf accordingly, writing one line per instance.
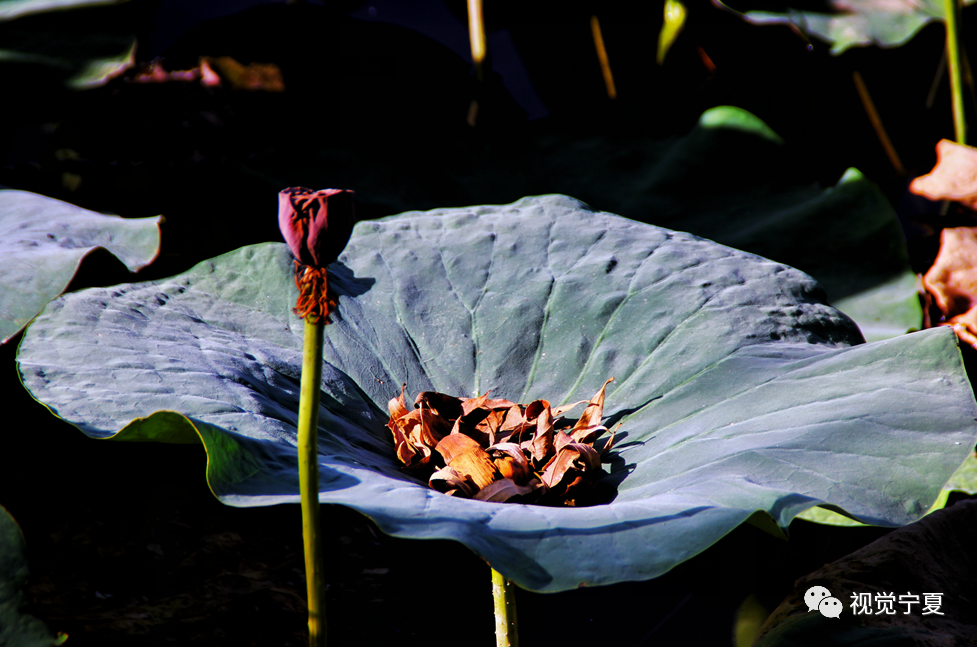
(16, 629)
(738, 391)
(886, 23)
(42, 243)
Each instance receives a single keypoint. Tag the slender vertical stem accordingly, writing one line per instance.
(476, 37)
(506, 624)
(476, 34)
(605, 63)
(309, 479)
(873, 116)
(952, 10)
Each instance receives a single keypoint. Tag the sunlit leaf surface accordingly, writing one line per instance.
(42, 243)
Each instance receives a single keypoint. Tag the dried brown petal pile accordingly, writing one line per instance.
(495, 450)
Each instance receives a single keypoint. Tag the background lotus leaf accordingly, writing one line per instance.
(43, 241)
(79, 44)
(16, 629)
(886, 23)
(737, 390)
(10, 9)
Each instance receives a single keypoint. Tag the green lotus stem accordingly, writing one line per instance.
(309, 478)
(506, 624)
(952, 10)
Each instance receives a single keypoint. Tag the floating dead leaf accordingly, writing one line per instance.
(498, 450)
(952, 282)
(953, 178)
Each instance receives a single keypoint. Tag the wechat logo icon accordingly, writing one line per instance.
(820, 599)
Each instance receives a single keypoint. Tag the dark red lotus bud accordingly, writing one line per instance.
(316, 225)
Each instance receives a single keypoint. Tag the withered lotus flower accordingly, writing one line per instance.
(495, 450)
(316, 225)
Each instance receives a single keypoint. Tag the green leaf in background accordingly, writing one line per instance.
(80, 44)
(10, 9)
(42, 243)
(672, 24)
(17, 629)
(846, 236)
(886, 23)
(731, 179)
(738, 392)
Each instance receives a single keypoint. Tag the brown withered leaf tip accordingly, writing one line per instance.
(316, 225)
(953, 178)
(214, 72)
(951, 284)
(498, 450)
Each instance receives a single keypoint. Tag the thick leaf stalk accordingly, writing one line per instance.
(309, 479)
(506, 624)
(952, 10)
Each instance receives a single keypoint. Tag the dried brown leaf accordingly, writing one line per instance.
(511, 461)
(561, 439)
(570, 470)
(469, 405)
(253, 76)
(563, 408)
(541, 445)
(432, 427)
(953, 178)
(503, 490)
(587, 435)
(513, 418)
(450, 481)
(446, 406)
(534, 408)
(594, 412)
(468, 458)
(398, 406)
(499, 404)
(952, 281)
